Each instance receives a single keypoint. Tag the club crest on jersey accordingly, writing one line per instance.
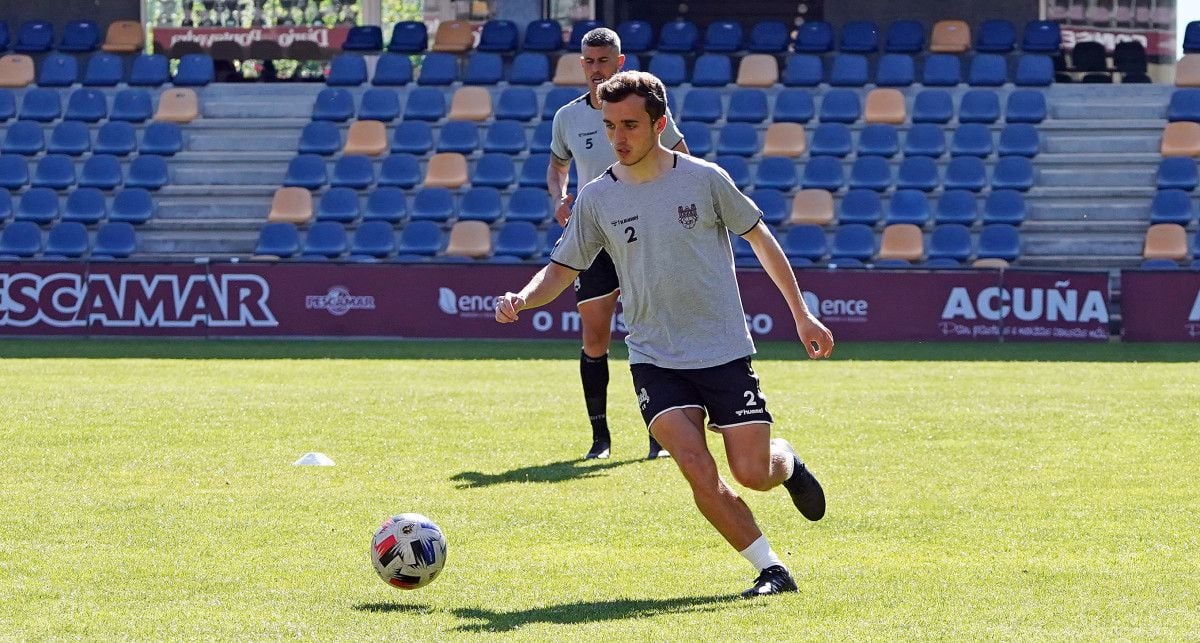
(688, 216)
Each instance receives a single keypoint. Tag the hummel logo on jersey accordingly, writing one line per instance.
(688, 216)
(643, 398)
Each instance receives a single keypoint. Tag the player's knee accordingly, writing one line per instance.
(596, 340)
(752, 475)
(699, 469)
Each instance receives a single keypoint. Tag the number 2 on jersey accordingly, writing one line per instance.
(632, 234)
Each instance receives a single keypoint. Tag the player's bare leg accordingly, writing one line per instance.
(760, 463)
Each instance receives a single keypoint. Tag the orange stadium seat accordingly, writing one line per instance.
(785, 139)
(179, 105)
(1181, 138)
(455, 36)
(470, 239)
(902, 241)
(758, 70)
(812, 206)
(471, 104)
(1166, 241)
(886, 106)
(16, 70)
(446, 170)
(366, 137)
(950, 37)
(125, 37)
(1187, 71)
(990, 263)
(568, 71)
(291, 205)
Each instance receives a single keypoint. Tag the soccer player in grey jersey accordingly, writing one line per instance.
(579, 137)
(665, 218)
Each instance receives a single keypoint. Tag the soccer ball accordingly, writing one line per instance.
(408, 551)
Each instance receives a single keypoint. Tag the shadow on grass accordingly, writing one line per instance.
(486, 620)
(551, 472)
(389, 608)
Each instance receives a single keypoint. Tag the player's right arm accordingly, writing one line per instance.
(557, 180)
(547, 284)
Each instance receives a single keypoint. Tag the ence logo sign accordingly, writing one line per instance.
(466, 305)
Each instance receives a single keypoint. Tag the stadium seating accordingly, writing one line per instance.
(903, 242)
(498, 36)
(408, 37)
(379, 104)
(353, 171)
(325, 239)
(1172, 206)
(58, 70)
(848, 70)
(16, 71)
(712, 70)
(895, 70)
(453, 36)
(195, 70)
(859, 36)
(278, 239)
(392, 70)
(950, 37)
(132, 205)
(814, 36)
(996, 35)
(768, 37)
(528, 204)
(870, 172)
(102, 171)
(802, 70)
(34, 37)
(637, 36)
(905, 37)
(180, 105)
(529, 68)
(1041, 36)
(373, 239)
(20, 239)
(103, 70)
(38, 205)
(367, 38)
(1177, 173)
(950, 241)
(494, 170)
(425, 103)
(80, 36)
(85, 206)
(14, 172)
(132, 105)
(23, 137)
(1004, 206)
(908, 207)
(517, 239)
(878, 140)
(124, 37)
(678, 36)
(918, 173)
(399, 170)
(941, 70)
(71, 137)
(55, 171)
(347, 70)
(999, 241)
(67, 240)
(830, 139)
(386, 204)
(1165, 241)
(852, 241)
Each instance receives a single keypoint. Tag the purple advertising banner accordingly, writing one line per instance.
(1160, 306)
(456, 301)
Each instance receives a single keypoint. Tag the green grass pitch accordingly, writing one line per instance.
(975, 492)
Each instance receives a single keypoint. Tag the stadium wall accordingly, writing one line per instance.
(60, 12)
(974, 12)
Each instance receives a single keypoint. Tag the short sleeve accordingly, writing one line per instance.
(581, 240)
(558, 141)
(734, 208)
(671, 135)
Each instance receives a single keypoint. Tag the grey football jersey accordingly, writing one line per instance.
(579, 135)
(669, 240)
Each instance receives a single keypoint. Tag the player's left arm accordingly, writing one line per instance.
(818, 341)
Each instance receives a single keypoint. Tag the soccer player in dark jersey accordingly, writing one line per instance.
(665, 218)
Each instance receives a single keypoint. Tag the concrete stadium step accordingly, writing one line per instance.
(1079, 227)
(1110, 110)
(200, 208)
(1096, 192)
(211, 226)
(1085, 210)
(1086, 159)
(1102, 142)
(217, 191)
(1080, 262)
(228, 173)
(197, 241)
(1112, 243)
(1134, 177)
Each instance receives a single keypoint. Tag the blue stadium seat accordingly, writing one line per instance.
(870, 173)
(878, 140)
(133, 205)
(24, 137)
(553, 233)
(543, 134)
(859, 37)
(41, 105)
(54, 170)
(848, 70)
(830, 139)
(533, 171)
(905, 37)
(632, 63)
(932, 106)
(1004, 206)
(34, 37)
(149, 70)
(722, 36)
(132, 105)
(698, 137)
(86, 206)
(956, 206)
(505, 137)
(805, 242)
(814, 37)
(996, 36)
(999, 241)
(527, 204)
(8, 105)
(338, 204)
(353, 171)
(840, 106)
(987, 70)
(908, 206)
(195, 70)
(21, 239)
(374, 239)
(1172, 206)
(318, 137)
(860, 206)
(979, 106)
(148, 171)
(481, 203)
(278, 239)
(637, 36)
(483, 69)
(333, 104)
(802, 70)
(103, 70)
(386, 204)
(367, 38)
(458, 136)
(516, 104)
(80, 36)
(425, 104)
(738, 138)
(1019, 139)
(87, 105)
(895, 70)
(853, 241)
(58, 70)
(517, 239)
(712, 70)
(971, 139)
(556, 98)
(70, 137)
(965, 173)
(917, 173)
(494, 170)
(793, 106)
(392, 70)
(421, 238)
(941, 70)
(775, 173)
(14, 172)
(68, 239)
(38, 205)
(1013, 173)
(306, 171)
(737, 168)
(529, 68)
(1034, 70)
(768, 37)
(1160, 264)
(408, 37)
(1041, 36)
(679, 36)
(950, 241)
(326, 239)
(4, 35)
(1191, 37)
(498, 36)
(347, 70)
(747, 105)
(164, 139)
(101, 171)
(775, 206)
(925, 139)
(433, 204)
(669, 68)
(1176, 172)
(438, 68)
(823, 172)
(413, 137)
(1025, 106)
(702, 105)
(542, 35)
(1184, 105)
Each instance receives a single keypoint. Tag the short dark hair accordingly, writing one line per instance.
(646, 85)
(601, 37)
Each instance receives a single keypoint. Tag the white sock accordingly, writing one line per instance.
(760, 554)
(790, 465)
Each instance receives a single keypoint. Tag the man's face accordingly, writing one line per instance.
(629, 129)
(599, 64)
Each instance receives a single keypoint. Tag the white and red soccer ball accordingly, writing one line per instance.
(408, 551)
